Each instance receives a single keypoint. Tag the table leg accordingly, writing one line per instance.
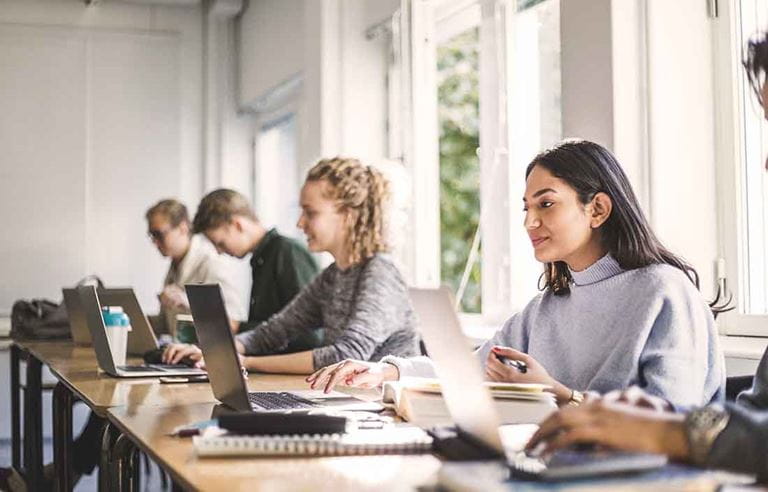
(124, 465)
(63, 400)
(33, 424)
(108, 437)
(15, 408)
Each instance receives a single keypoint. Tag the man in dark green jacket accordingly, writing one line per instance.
(280, 266)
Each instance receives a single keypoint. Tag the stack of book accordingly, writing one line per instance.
(420, 401)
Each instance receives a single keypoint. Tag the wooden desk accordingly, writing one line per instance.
(76, 369)
(141, 412)
(148, 427)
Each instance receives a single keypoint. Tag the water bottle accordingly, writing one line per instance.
(117, 325)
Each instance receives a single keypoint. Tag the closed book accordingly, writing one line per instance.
(420, 402)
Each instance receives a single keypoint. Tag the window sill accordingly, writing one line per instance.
(743, 347)
(477, 329)
(5, 326)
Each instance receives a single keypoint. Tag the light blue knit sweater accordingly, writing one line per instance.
(648, 327)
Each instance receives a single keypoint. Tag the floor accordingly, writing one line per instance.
(150, 479)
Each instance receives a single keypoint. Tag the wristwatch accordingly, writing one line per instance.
(577, 397)
(702, 426)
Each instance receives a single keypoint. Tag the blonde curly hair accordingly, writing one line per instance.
(361, 191)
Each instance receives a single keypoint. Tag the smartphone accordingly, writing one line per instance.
(517, 364)
(202, 378)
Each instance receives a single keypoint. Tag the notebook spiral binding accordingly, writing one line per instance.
(395, 441)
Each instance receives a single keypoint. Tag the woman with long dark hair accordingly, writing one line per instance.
(734, 437)
(617, 308)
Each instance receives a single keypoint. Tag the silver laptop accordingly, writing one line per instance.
(141, 338)
(471, 405)
(226, 376)
(89, 300)
(81, 335)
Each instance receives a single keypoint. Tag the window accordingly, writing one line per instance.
(743, 181)
(533, 94)
(277, 169)
(753, 16)
(479, 95)
(458, 59)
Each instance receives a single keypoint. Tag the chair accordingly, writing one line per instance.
(735, 385)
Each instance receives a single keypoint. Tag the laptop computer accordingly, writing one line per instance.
(141, 338)
(225, 373)
(81, 335)
(89, 300)
(471, 406)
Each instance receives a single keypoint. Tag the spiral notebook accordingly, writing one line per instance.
(393, 440)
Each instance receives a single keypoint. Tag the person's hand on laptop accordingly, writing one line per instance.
(614, 425)
(496, 370)
(175, 352)
(355, 373)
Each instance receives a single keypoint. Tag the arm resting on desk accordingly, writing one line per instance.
(296, 363)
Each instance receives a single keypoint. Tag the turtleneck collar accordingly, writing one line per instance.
(605, 267)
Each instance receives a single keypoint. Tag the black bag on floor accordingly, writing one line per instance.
(42, 319)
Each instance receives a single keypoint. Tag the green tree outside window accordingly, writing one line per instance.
(458, 114)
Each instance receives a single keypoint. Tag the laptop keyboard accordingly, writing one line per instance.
(524, 464)
(137, 368)
(168, 367)
(279, 401)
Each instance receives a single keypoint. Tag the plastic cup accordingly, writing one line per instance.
(116, 325)
(185, 329)
(118, 343)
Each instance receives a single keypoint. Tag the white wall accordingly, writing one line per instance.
(342, 103)
(101, 117)
(681, 116)
(272, 44)
(632, 83)
(327, 74)
(364, 75)
(229, 134)
(585, 33)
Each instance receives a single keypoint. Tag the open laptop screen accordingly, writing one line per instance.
(469, 402)
(217, 344)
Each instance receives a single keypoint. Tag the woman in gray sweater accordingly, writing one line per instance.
(734, 437)
(617, 308)
(360, 301)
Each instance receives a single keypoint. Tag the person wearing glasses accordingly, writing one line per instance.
(733, 437)
(193, 260)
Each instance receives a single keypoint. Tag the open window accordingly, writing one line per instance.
(479, 96)
(743, 180)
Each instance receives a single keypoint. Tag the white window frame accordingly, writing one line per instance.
(507, 259)
(281, 102)
(263, 197)
(419, 132)
(730, 202)
(420, 145)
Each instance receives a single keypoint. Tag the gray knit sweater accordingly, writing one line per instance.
(617, 328)
(365, 313)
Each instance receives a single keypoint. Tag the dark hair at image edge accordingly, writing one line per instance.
(756, 62)
(591, 169)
